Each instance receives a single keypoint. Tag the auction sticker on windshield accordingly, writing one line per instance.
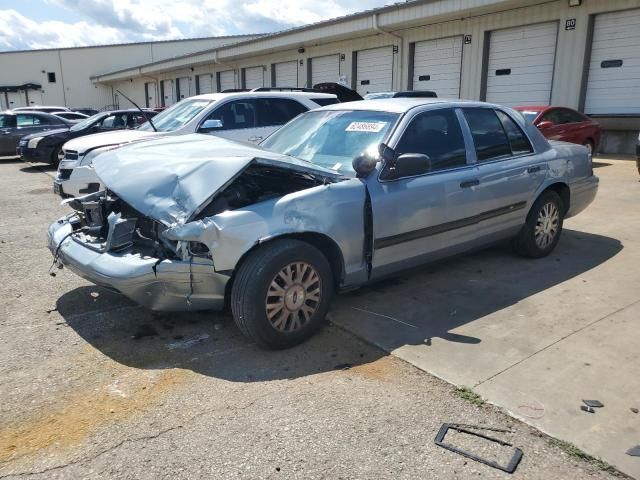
(372, 127)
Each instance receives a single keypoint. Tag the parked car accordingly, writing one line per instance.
(244, 116)
(15, 125)
(339, 197)
(87, 111)
(40, 108)
(74, 117)
(403, 94)
(638, 153)
(565, 124)
(47, 146)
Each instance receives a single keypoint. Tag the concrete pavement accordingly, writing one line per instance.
(533, 336)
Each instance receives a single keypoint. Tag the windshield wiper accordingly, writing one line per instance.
(144, 114)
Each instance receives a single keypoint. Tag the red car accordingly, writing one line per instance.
(566, 124)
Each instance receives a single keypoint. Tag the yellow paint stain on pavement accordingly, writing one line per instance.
(385, 369)
(85, 412)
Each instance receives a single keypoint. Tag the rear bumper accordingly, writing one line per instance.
(583, 193)
(167, 285)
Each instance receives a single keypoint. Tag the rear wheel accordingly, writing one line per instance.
(57, 156)
(541, 231)
(589, 146)
(281, 293)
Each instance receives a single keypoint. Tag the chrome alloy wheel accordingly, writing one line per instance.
(547, 225)
(293, 297)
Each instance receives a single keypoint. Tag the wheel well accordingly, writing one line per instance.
(561, 189)
(325, 244)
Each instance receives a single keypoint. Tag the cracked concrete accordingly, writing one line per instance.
(83, 396)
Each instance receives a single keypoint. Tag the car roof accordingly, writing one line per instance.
(273, 93)
(403, 104)
(38, 107)
(37, 113)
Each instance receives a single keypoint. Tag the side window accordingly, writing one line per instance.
(488, 135)
(436, 134)
(569, 116)
(325, 101)
(277, 111)
(235, 115)
(7, 121)
(107, 122)
(27, 120)
(517, 139)
(552, 116)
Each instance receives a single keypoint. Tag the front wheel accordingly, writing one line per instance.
(281, 293)
(57, 156)
(541, 231)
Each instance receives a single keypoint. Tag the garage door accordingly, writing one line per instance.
(17, 99)
(437, 66)
(150, 91)
(205, 83)
(227, 80)
(167, 92)
(614, 70)
(286, 74)
(374, 70)
(520, 68)
(183, 88)
(253, 77)
(325, 69)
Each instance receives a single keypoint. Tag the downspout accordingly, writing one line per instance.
(377, 28)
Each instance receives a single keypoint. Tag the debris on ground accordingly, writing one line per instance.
(634, 410)
(585, 408)
(593, 403)
(510, 455)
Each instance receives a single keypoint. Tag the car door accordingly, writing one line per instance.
(272, 114)
(509, 172)
(237, 120)
(7, 129)
(576, 127)
(422, 217)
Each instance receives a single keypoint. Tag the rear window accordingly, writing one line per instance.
(325, 101)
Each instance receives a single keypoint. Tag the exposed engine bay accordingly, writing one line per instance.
(106, 223)
(258, 183)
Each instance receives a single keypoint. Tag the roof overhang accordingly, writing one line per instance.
(387, 19)
(17, 88)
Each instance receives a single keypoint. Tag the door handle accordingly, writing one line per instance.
(470, 183)
(533, 169)
(255, 139)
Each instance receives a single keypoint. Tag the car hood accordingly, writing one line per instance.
(171, 179)
(88, 142)
(45, 133)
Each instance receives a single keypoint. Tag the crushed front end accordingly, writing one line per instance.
(109, 243)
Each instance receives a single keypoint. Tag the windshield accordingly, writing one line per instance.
(529, 114)
(375, 96)
(332, 138)
(87, 122)
(177, 115)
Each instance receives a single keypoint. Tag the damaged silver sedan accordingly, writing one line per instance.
(339, 197)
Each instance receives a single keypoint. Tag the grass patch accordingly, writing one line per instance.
(574, 452)
(470, 396)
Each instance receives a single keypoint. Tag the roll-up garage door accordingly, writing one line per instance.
(520, 68)
(374, 70)
(227, 80)
(183, 88)
(152, 96)
(17, 99)
(167, 90)
(437, 65)
(253, 77)
(286, 74)
(613, 85)
(205, 83)
(325, 69)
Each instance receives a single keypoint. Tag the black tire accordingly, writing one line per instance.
(590, 146)
(54, 155)
(525, 243)
(254, 279)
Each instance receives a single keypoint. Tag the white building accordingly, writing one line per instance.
(62, 76)
(583, 54)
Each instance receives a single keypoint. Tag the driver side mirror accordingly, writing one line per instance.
(544, 124)
(211, 124)
(412, 164)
